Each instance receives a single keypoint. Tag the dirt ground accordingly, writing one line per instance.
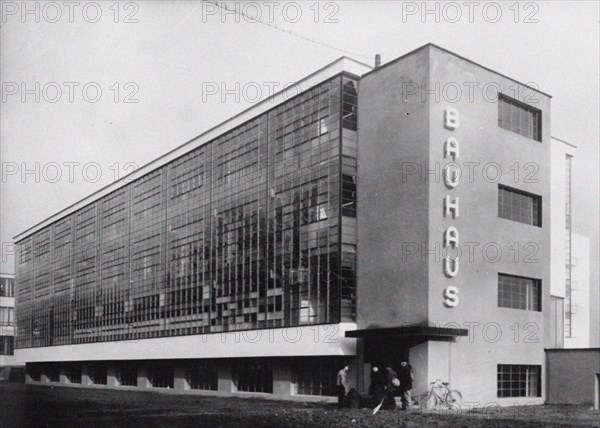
(39, 406)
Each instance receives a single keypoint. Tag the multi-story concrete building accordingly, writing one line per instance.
(380, 214)
(7, 324)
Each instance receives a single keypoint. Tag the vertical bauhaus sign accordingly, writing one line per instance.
(451, 175)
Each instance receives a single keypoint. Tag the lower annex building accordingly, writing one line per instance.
(7, 324)
(368, 219)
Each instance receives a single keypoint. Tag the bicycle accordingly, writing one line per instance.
(440, 394)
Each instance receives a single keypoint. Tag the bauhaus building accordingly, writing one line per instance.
(375, 214)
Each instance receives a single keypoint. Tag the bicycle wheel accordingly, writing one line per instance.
(423, 399)
(454, 399)
(432, 401)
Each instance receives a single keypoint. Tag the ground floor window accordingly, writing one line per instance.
(127, 374)
(7, 345)
(519, 380)
(34, 371)
(316, 376)
(97, 373)
(161, 375)
(254, 376)
(74, 374)
(52, 372)
(203, 375)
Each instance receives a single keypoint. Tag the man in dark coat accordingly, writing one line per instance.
(390, 388)
(406, 377)
(377, 384)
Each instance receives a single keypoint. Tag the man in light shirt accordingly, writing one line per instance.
(342, 386)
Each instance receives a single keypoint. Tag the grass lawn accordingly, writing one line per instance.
(38, 406)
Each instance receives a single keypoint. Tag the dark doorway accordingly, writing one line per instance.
(380, 351)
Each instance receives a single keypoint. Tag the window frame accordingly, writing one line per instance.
(514, 103)
(535, 199)
(515, 369)
(529, 296)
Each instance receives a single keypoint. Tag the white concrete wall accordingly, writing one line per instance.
(7, 361)
(470, 365)
(325, 340)
(7, 302)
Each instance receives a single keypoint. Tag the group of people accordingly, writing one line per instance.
(384, 385)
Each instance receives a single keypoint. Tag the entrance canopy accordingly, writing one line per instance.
(410, 334)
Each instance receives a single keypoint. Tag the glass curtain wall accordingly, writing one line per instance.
(255, 229)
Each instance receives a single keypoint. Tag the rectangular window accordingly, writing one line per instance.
(34, 371)
(7, 288)
(316, 376)
(127, 374)
(519, 206)
(52, 372)
(7, 316)
(161, 374)
(519, 380)
(74, 374)
(203, 375)
(97, 373)
(518, 292)
(519, 117)
(254, 376)
(7, 345)
(349, 108)
(349, 195)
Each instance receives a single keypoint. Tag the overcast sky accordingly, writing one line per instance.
(164, 59)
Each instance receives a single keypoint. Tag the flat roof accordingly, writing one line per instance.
(458, 56)
(563, 141)
(340, 65)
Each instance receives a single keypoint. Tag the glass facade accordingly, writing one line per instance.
(254, 229)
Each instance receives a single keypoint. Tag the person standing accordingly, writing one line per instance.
(391, 383)
(406, 377)
(376, 389)
(342, 386)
